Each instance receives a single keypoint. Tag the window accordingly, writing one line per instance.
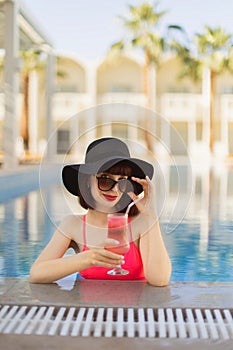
(63, 141)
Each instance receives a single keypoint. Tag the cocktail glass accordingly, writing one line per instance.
(118, 230)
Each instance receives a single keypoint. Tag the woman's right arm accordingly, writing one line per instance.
(51, 265)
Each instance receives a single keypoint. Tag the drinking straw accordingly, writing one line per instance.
(131, 204)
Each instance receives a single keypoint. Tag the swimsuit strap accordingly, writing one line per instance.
(84, 232)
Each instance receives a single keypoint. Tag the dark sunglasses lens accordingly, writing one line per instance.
(105, 183)
(125, 186)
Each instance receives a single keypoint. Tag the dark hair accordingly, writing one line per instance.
(121, 168)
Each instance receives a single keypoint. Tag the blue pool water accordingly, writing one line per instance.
(200, 243)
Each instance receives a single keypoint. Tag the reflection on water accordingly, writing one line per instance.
(195, 212)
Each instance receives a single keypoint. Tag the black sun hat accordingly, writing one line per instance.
(102, 154)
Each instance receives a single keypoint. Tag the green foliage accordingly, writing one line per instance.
(32, 60)
(141, 24)
(191, 65)
(214, 47)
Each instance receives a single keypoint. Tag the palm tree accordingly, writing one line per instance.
(1, 63)
(141, 24)
(31, 61)
(213, 52)
(191, 66)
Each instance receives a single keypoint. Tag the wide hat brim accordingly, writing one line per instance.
(71, 173)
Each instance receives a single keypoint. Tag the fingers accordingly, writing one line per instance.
(99, 256)
(132, 195)
(113, 258)
(108, 242)
(102, 257)
(145, 183)
(148, 195)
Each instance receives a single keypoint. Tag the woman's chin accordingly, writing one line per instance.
(106, 207)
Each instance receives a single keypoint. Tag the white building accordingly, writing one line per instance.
(180, 106)
(107, 98)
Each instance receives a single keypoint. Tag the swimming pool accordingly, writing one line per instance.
(199, 239)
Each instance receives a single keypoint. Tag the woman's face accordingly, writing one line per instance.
(106, 200)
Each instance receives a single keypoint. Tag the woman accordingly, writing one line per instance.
(107, 182)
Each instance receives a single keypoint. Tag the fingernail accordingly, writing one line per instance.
(115, 241)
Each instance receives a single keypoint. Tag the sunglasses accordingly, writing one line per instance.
(106, 184)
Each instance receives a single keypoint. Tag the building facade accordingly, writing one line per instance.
(84, 93)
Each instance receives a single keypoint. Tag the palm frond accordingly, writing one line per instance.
(119, 45)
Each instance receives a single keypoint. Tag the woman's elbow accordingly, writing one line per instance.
(157, 282)
(157, 279)
(34, 276)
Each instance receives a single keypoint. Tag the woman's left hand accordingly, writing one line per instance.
(146, 205)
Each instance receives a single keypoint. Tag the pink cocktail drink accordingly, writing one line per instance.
(117, 229)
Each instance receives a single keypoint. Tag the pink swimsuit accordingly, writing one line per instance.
(133, 263)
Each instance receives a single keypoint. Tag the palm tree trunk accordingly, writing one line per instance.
(212, 94)
(24, 117)
(148, 139)
(145, 77)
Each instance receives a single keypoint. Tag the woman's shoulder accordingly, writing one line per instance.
(71, 224)
(138, 226)
(73, 218)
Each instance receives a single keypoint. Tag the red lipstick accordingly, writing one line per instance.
(110, 198)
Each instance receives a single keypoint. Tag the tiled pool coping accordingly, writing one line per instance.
(42, 342)
(117, 293)
(113, 293)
